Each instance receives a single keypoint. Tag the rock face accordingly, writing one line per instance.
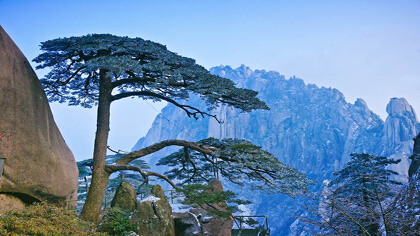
(9, 202)
(400, 125)
(399, 130)
(199, 222)
(310, 128)
(38, 165)
(153, 215)
(187, 224)
(125, 197)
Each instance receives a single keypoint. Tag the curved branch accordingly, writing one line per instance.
(116, 152)
(124, 160)
(191, 111)
(71, 77)
(164, 177)
(114, 168)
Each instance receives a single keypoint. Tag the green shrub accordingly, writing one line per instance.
(116, 222)
(41, 219)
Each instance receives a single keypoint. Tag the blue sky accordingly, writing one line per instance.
(366, 49)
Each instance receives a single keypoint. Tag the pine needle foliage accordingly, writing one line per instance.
(137, 67)
(221, 204)
(237, 161)
(116, 222)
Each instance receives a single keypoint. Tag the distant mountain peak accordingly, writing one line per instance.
(400, 107)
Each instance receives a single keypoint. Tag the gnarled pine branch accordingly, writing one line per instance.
(158, 146)
(114, 168)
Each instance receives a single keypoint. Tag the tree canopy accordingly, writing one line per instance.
(238, 161)
(136, 67)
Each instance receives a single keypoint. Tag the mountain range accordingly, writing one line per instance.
(311, 128)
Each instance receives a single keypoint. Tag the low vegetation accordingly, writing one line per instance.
(42, 219)
(45, 220)
(116, 222)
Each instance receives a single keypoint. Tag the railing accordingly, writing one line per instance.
(173, 194)
(169, 194)
(248, 226)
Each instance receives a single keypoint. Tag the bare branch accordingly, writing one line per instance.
(116, 152)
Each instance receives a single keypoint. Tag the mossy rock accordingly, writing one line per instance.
(153, 216)
(125, 197)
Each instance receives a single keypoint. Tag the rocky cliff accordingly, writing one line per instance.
(37, 163)
(400, 127)
(310, 128)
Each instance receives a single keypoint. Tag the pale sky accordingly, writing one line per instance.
(365, 49)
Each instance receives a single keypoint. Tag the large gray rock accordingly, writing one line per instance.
(38, 164)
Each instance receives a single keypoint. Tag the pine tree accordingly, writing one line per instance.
(361, 199)
(99, 69)
(358, 202)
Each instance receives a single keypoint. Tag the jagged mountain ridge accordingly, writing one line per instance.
(307, 127)
(310, 128)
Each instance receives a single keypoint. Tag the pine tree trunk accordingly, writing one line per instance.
(92, 207)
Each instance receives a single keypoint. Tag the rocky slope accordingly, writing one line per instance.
(310, 128)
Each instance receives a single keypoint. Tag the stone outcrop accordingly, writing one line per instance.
(400, 125)
(187, 224)
(153, 215)
(9, 202)
(200, 222)
(399, 131)
(125, 197)
(38, 165)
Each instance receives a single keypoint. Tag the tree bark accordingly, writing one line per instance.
(100, 176)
